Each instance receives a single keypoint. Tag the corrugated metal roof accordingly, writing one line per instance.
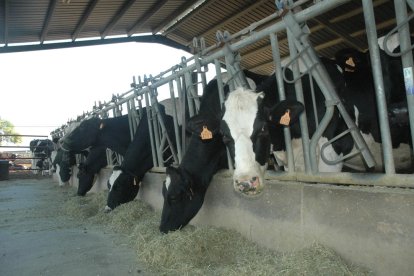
(41, 21)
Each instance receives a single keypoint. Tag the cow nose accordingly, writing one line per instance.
(248, 186)
(107, 209)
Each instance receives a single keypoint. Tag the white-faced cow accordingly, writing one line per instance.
(124, 182)
(185, 187)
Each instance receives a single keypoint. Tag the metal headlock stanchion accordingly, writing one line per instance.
(318, 72)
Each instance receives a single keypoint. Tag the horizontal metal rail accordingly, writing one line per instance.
(346, 178)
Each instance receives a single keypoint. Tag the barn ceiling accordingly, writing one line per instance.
(32, 25)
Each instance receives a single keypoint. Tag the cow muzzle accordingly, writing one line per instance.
(248, 187)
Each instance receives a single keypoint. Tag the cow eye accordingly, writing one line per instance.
(172, 199)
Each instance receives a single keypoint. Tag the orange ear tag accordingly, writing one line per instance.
(206, 134)
(285, 119)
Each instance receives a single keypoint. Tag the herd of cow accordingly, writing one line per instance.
(249, 124)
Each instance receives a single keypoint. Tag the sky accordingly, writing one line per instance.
(42, 90)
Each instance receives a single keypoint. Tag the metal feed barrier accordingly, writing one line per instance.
(180, 83)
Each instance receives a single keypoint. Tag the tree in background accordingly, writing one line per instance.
(7, 128)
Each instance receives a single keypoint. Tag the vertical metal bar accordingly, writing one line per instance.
(221, 97)
(282, 96)
(310, 159)
(154, 119)
(407, 58)
(379, 86)
(176, 126)
(183, 106)
(193, 105)
(153, 149)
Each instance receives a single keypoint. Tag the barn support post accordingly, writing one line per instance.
(407, 57)
(282, 95)
(379, 86)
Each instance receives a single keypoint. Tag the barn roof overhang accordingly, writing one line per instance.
(27, 25)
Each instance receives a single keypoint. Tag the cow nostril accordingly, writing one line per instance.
(254, 178)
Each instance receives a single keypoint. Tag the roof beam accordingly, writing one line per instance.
(332, 28)
(238, 14)
(49, 15)
(6, 22)
(84, 18)
(186, 5)
(60, 45)
(127, 5)
(380, 26)
(154, 8)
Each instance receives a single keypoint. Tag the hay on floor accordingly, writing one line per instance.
(202, 250)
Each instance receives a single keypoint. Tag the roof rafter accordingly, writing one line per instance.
(84, 18)
(238, 14)
(154, 8)
(186, 5)
(118, 15)
(49, 15)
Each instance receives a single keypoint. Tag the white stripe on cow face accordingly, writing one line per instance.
(241, 109)
(114, 176)
(167, 182)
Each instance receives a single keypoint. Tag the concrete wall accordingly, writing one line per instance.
(369, 226)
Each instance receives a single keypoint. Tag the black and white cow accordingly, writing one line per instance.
(252, 121)
(63, 162)
(112, 133)
(124, 182)
(360, 83)
(185, 187)
(41, 151)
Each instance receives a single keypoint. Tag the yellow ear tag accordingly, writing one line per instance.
(206, 134)
(351, 63)
(285, 119)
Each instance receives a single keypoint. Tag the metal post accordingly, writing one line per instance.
(282, 96)
(407, 58)
(221, 97)
(176, 126)
(379, 86)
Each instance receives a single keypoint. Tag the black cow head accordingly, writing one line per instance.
(123, 187)
(182, 200)
(82, 136)
(86, 179)
(245, 129)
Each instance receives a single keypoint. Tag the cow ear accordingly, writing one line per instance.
(203, 127)
(285, 113)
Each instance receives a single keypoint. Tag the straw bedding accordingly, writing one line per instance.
(202, 250)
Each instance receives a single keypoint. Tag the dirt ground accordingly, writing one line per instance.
(35, 239)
